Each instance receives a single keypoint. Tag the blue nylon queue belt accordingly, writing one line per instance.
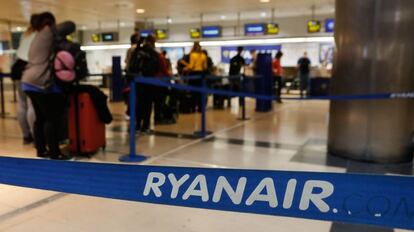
(352, 198)
(167, 84)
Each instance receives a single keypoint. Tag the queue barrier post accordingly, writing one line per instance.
(203, 132)
(242, 100)
(132, 157)
(2, 104)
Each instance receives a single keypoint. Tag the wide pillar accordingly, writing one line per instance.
(374, 54)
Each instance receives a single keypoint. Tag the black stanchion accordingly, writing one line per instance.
(2, 105)
(242, 100)
(14, 92)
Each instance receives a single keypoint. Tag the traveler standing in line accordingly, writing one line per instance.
(236, 65)
(25, 112)
(253, 63)
(210, 63)
(38, 83)
(304, 64)
(277, 74)
(167, 62)
(135, 42)
(197, 67)
(160, 93)
(146, 63)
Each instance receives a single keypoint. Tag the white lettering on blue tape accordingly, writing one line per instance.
(350, 198)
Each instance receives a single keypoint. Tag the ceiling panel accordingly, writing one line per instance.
(87, 12)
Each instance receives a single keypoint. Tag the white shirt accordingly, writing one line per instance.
(23, 50)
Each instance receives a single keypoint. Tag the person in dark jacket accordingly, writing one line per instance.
(38, 83)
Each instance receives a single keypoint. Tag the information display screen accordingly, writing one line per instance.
(109, 37)
(272, 29)
(211, 31)
(146, 32)
(195, 33)
(254, 29)
(161, 34)
(314, 26)
(96, 38)
(329, 25)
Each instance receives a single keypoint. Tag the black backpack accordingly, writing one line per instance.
(79, 56)
(145, 62)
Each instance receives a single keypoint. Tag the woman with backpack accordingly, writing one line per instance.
(38, 83)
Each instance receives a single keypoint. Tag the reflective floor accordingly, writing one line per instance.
(291, 137)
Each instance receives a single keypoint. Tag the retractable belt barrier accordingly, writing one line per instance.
(163, 82)
(352, 198)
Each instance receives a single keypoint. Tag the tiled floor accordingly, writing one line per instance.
(292, 137)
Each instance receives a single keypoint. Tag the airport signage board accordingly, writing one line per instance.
(329, 25)
(146, 32)
(161, 34)
(314, 26)
(228, 52)
(254, 29)
(96, 38)
(195, 33)
(211, 31)
(272, 29)
(109, 36)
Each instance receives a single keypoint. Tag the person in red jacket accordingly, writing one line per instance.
(277, 74)
(160, 92)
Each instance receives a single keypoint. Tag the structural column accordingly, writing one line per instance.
(374, 54)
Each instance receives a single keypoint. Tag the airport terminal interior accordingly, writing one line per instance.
(299, 86)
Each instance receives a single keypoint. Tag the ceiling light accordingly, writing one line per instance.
(263, 14)
(19, 29)
(223, 17)
(140, 11)
(122, 24)
(84, 27)
(264, 1)
(169, 20)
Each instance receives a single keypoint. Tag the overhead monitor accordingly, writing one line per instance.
(109, 36)
(195, 33)
(96, 38)
(254, 29)
(329, 25)
(314, 26)
(161, 34)
(272, 29)
(211, 31)
(146, 32)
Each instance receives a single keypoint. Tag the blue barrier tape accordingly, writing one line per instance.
(352, 198)
(379, 96)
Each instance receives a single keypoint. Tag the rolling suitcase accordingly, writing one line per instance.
(86, 130)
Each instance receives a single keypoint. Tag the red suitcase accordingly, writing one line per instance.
(86, 130)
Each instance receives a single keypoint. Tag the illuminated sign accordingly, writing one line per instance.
(314, 26)
(146, 33)
(161, 34)
(329, 25)
(211, 31)
(96, 38)
(272, 29)
(254, 29)
(195, 33)
(109, 37)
